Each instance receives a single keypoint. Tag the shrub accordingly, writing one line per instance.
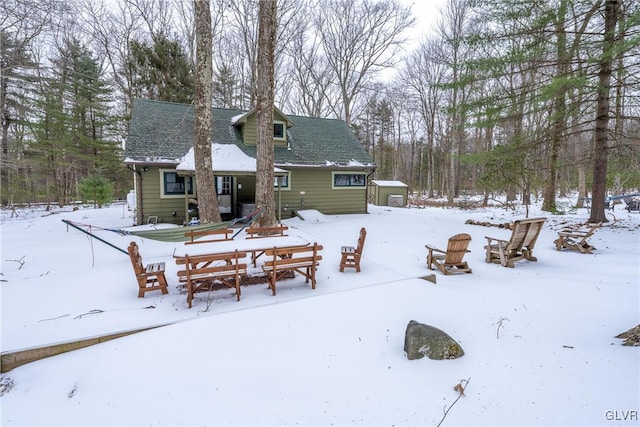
(96, 189)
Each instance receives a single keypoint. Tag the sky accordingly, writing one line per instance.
(426, 13)
(538, 338)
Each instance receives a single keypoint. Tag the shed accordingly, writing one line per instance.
(389, 193)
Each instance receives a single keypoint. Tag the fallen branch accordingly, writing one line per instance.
(53, 318)
(460, 389)
(89, 312)
(20, 261)
(506, 225)
(500, 321)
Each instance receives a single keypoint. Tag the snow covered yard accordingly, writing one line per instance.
(538, 339)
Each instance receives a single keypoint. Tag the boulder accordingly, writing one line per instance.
(424, 340)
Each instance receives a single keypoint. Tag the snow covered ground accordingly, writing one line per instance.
(538, 339)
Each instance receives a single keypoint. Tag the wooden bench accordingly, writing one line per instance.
(258, 232)
(215, 235)
(203, 270)
(524, 234)
(300, 259)
(150, 277)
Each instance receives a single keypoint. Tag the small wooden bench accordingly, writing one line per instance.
(203, 270)
(215, 235)
(150, 277)
(300, 259)
(258, 232)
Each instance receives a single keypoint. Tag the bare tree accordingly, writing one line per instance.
(360, 39)
(423, 77)
(242, 32)
(454, 28)
(208, 209)
(267, 31)
(310, 75)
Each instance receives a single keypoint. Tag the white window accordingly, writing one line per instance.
(223, 184)
(282, 181)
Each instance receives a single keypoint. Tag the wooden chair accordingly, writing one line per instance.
(450, 261)
(576, 240)
(150, 277)
(520, 245)
(351, 255)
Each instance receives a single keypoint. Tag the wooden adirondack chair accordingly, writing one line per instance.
(450, 261)
(524, 234)
(351, 255)
(576, 240)
(150, 277)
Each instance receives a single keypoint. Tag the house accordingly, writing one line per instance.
(319, 163)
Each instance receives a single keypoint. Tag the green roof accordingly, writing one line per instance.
(164, 131)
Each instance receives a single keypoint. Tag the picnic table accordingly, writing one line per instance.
(223, 261)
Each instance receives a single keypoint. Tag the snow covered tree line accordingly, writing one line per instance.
(499, 97)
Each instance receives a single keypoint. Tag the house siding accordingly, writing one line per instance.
(250, 130)
(319, 195)
(316, 185)
(168, 210)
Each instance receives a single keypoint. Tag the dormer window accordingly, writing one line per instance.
(248, 125)
(279, 130)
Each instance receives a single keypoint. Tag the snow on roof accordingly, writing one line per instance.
(225, 158)
(382, 183)
(237, 117)
(151, 160)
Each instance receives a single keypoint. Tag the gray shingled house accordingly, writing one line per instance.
(319, 163)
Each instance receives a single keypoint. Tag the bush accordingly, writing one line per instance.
(96, 189)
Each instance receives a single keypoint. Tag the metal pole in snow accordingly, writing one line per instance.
(94, 236)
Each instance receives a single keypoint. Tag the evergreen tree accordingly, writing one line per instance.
(73, 132)
(15, 61)
(161, 71)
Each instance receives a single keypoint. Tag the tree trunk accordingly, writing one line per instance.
(208, 209)
(599, 190)
(559, 111)
(267, 26)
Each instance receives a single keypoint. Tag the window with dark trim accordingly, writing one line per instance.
(278, 130)
(174, 184)
(281, 181)
(349, 180)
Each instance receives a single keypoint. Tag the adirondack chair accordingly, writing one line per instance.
(520, 245)
(351, 255)
(450, 261)
(150, 277)
(576, 240)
